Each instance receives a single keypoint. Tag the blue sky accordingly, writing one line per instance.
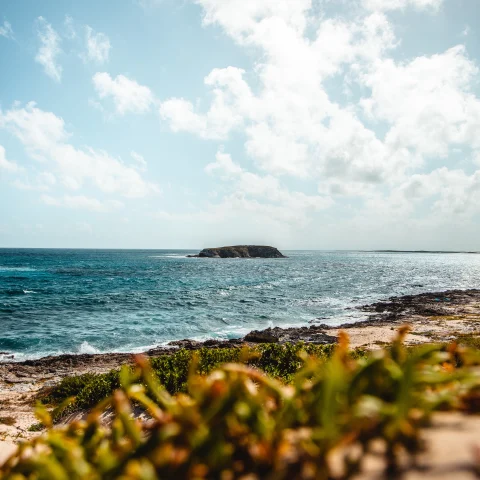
(299, 123)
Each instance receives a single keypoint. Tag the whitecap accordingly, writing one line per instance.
(4, 268)
(85, 347)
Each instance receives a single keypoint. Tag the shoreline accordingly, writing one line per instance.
(464, 305)
(435, 317)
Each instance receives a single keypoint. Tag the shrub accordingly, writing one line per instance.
(172, 371)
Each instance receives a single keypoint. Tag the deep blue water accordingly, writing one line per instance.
(58, 301)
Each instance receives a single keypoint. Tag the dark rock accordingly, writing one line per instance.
(185, 343)
(213, 343)
(194, 345)
(399, 309)
(424, 304)
(262, 336)
(313, 334)
(240, 251)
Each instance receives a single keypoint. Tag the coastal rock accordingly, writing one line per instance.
(185, 343)
(195, 345)
(313, 334)
(14, 379)
(429, 304)
(269, 335)
(240, 251)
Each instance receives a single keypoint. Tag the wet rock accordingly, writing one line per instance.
(186, 343)
(263, 336)
(195, 345)
(313, 334)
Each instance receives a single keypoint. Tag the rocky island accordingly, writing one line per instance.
(240, 251)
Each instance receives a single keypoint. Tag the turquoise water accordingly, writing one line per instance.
(86, 301)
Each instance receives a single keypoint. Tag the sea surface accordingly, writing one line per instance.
(91, 301)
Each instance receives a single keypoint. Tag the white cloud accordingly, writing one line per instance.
(252, 188)
(385, 5)
(98, 46)
(140, 160)
(450, 193)
(6, 164)
(6, 30)
(369, 145)
(44, 136)
(224, 165)
(49, 49)
(428, 102)
(240, 18)
(69, 27)
(225, 112)
(82, 202)
(43, 182)
(292, 127)
(128, 96)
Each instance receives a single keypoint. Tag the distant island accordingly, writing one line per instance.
(240, 251)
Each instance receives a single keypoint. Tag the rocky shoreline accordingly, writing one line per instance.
(451, 305)
(434, 317)
(437, 317)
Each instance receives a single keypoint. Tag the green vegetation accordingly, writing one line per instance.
(469, 340)
(238, 423)
(172, 371)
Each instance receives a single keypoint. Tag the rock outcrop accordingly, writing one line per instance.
(240, 251)
(313, 334)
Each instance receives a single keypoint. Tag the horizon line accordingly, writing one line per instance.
(376, 250)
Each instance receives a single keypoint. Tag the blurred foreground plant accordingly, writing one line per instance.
(238, 423)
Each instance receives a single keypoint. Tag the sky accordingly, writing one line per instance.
(304, 124)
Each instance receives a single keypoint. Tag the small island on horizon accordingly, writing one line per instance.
(240, 251)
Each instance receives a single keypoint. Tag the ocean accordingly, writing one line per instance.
(55, 301)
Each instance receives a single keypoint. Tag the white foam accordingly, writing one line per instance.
(85, 347)
(4, 268)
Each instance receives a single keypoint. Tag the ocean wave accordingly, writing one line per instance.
(85, 347)
(4, 268)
